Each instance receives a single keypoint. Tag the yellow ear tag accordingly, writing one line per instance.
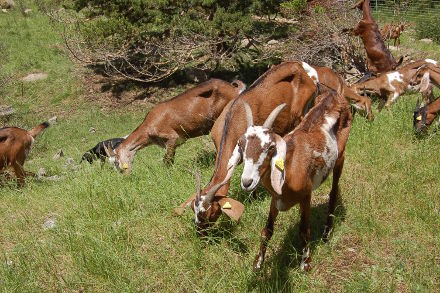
(280, 164)
(125, 166)
(419, 118)
(227, 206)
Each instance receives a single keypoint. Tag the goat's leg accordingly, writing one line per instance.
(333, 197)
(304, 231)
(266, 234)
(19, 173)
(170, 146)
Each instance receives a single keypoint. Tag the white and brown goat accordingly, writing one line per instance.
(290, 167)
(15, 144)
(170, 123)
(392, 85)
(293, 83)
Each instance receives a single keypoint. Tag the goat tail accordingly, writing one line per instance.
(35, 131)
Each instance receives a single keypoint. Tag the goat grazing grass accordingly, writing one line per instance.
(98, 231)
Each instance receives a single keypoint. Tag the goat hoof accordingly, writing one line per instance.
(326, 234)
(258, 262)
(306, 267)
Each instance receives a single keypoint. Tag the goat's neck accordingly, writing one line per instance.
(432, 111)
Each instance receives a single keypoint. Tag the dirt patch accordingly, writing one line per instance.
(123, 95)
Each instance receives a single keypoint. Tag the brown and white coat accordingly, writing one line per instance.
(290, 167)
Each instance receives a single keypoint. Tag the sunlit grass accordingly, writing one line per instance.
(117, 233)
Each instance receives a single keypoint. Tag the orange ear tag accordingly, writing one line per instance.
(125, 166)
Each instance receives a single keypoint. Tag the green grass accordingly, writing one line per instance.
(117, 233)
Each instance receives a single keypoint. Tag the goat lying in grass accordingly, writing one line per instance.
(99, 152)
(392, 85)
(170, 123)
(15, 144)
(290, 167)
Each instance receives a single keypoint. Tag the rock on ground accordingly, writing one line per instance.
(34, 77)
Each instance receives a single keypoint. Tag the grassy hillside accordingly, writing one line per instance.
(117, 233)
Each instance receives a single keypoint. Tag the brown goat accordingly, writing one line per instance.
(170, 123)
(290, 167)
(15, 144)
(293, 83)
(379, 58)
(425, 115)
(391, 85)
(392, 32)
(329, 78)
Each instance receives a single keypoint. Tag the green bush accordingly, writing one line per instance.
(152, 39)
(428, 25)
(294, 6)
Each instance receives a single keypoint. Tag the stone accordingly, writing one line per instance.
(34, 77)
(49, 224)
(41, 173)
(52, 120)
(27, 11)
(6, 111)
(92, 130)
(244, 42)
(427, 41)
(58, 155)
(272, 42)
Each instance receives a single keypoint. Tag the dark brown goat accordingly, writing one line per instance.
(379, 58)
(170, 123)
(15, 144)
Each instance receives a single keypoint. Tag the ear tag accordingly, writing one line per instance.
(280, 164)
(419, 118)
(227, 206)
(125, 166)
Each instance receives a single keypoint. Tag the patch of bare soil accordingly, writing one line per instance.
(121, 95)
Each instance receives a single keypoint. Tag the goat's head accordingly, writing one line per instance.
(208, 207)
(260, 148)
(120, 158)
(420, 80)
(419, 118)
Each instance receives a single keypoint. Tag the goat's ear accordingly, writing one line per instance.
(231, 208)
(277, 173)
(424, 84)
(181, 209)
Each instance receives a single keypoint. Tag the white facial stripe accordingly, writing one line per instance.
(260, 132)
(199, 209)
(251, 168)
(431, 61)
(311, 72)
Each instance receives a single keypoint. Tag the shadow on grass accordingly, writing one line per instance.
(275, 273)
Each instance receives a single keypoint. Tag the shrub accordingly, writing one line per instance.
(428, 25)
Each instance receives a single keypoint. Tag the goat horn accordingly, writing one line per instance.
(211, 192)
(273, 115)
(249, 118)
(197, 174)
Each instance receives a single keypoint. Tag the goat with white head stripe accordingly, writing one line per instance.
(290, 167)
